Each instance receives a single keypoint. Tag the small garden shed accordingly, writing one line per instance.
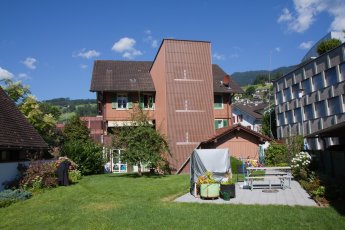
(243, 142)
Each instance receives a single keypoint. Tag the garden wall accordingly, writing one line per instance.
(331, 162)
(9, 171)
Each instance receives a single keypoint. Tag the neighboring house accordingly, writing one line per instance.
(18, 138)
(185, 96)
(249, 114)
(95, 126)
(310, 101)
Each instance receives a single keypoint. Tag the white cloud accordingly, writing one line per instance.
(5, 74)
(83, 66)
(277, 49)
(30, 62)
(218, 56)
(150, 39)
(285, 16)
(87, 54)
(306, 45)
(154, 44)
(305, 12)
(124, 44)
(126, 47)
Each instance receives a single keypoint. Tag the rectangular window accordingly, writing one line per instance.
(295, 91)
(306, 86)
(331, 77)
(287, 94)
(320, 109)
(240, 118)
(122, 101)
(147, 101)
(279, 96)
(308, 112)
(218, 101)
(220, 123)
(317, 82)
(298, 115)
(281, 119)
(289, 117)
(342, 71)
(334, 106)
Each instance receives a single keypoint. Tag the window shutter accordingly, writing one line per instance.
(141, 101)
(215, 124)
(129, 103)
(114, 102)
(225, 123)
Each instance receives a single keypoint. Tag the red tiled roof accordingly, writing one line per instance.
(15, 130)
(134, 75)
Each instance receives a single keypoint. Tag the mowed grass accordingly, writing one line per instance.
(129, 202)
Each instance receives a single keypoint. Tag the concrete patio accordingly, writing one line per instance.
(290, 196)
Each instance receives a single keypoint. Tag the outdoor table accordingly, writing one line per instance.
(271, 173)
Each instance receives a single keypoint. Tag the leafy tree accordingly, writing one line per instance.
(47, 108)
(250, 91)
(80, 148)
(142, 143)
(76, 130)
(295, 145)
(269, 123)
(16, 90)
(327, 45)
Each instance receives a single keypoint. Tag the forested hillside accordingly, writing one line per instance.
(250, 77)
(68, 107)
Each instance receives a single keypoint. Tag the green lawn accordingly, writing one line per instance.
(128, 202)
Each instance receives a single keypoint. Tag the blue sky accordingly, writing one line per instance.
(51, 45)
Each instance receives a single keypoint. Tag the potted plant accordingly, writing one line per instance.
(227, 188)
(209, 188)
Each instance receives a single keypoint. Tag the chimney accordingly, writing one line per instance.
(226, 80)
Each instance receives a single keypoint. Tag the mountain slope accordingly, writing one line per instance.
(248, 77)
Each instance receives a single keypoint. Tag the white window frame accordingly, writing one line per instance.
(121, 95)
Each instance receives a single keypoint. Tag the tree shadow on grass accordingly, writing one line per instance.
(136, 175)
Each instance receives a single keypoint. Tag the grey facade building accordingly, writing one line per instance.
(310, 101)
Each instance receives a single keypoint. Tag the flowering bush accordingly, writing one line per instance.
(40, 174)
(300, 164)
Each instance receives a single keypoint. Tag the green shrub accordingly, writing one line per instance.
(74, 175)
(8, 197)
(276, 154)
(86, 154)
(234, 163)
(327, 45)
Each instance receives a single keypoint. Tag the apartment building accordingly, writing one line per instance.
(310, 100)
(185, 95)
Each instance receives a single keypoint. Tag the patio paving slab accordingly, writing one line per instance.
(295, 195)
